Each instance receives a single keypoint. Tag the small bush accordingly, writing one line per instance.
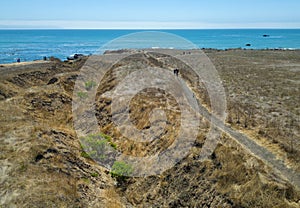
(108, 139)
(86, 180)
(113, 145)
(85, 155)
(105, 136)
(96, 146)
(94, 174)
(121, 170)
(89, 85)
(82, 95)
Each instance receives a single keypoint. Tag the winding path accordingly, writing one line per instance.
(278, 166)
(259, 151)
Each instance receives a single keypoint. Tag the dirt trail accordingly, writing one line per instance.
(246, 142)
(259, 151)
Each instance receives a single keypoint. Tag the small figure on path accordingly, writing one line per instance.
(176, 72)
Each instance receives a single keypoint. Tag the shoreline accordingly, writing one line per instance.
(22, 63)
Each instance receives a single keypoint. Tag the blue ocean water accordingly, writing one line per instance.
(31, 45)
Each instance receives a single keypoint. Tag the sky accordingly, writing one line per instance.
(149, 14)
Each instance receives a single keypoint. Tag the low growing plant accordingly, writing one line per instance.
(96, 146)
(121, 170)
(82, 95)
(89, 85)
(94, 174)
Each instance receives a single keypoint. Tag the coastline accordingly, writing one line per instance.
(31, 45)
(23, 63)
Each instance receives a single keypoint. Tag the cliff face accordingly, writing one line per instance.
(43, 163)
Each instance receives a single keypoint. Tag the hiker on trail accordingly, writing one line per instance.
(176, 72)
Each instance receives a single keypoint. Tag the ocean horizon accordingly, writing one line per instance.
(34, 44)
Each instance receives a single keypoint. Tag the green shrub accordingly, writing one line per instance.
(94, 174)
(86, 180)
(121, 170)
(89, 85)
(96, 145)
(85, 155)
(113, 145)
(108, 139)
(82, 95)
(105, 136)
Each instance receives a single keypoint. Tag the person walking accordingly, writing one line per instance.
(176, 72)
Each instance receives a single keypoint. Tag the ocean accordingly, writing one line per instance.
(31, 45)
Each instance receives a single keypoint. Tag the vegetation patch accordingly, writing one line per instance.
(89, 85)
(121, 170)
(94, 174)
(82, 95)
(97, 146)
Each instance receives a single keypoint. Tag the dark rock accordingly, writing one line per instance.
(198, 144)
(39, 157)
(75, 56)
(52, 81)
(52, 150)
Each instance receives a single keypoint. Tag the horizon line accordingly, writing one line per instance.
(220, 28)
(141, 25)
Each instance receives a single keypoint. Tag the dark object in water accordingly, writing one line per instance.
(75, 56)
(18, 60)
(265, 36)
(45, 58)
(248, 44)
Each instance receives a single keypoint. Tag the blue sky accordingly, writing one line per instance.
(149, 14)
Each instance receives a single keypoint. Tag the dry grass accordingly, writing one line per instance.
(263, 97)
(248, 181)
(40, 157)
